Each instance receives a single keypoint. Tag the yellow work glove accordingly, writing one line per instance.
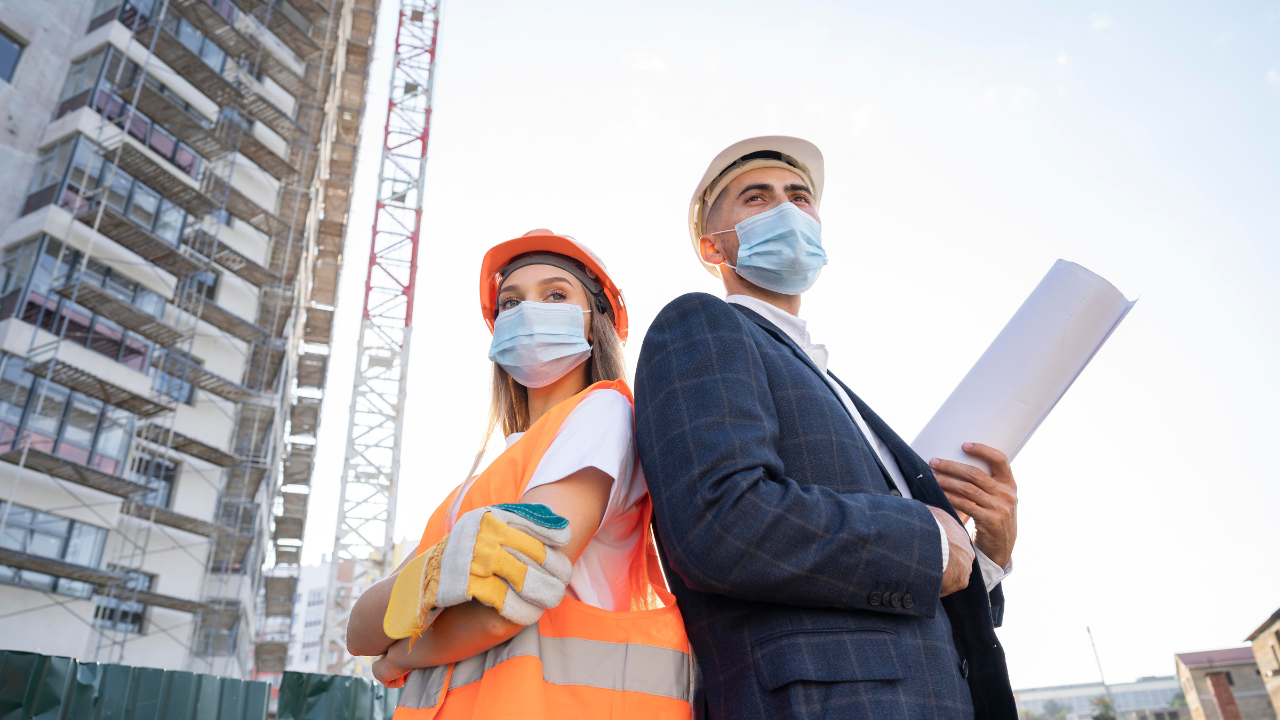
(502, 555)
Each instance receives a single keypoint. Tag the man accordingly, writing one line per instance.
(818, 563)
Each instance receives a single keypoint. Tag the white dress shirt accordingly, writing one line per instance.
(798, 331)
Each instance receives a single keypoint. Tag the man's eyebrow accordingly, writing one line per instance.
(755, 186)
(798, 187)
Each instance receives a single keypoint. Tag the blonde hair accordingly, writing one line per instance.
(509, 400)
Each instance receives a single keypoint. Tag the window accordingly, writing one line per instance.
(119, 612)
(206, 283)
(315, 597)
(1230, 680)
(60, 421)
(196, 42)
(10, 51)
(156, 472)
(171, 377)
(39, 533)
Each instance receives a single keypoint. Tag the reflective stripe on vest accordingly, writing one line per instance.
(565, 661)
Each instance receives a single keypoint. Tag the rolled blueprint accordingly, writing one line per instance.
(1028, 367)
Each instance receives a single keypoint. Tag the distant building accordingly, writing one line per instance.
(1149, 698)
(1224, 685)
(308, 618)
(1266, 653)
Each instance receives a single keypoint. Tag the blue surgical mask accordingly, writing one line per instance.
(539, 343)
(780, 250)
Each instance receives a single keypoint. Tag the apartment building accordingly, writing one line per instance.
(176, 180)
(1224, 685)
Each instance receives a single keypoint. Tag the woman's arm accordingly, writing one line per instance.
(471, 628)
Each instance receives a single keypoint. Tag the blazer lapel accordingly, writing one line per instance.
(915, 470)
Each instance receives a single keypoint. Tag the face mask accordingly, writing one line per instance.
(539, 343)
(780, 250)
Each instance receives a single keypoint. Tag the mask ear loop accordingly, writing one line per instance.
(719, 232)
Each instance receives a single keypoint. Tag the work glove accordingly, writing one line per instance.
(502, 555)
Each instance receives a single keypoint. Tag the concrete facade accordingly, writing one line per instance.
(1223, 685)
(140, 504)
(1266, 653)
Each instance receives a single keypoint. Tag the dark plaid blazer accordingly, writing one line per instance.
(808, 590)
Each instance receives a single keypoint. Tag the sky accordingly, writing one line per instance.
(967, 149)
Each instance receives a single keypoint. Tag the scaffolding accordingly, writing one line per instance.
(362, 547)
(236, 615)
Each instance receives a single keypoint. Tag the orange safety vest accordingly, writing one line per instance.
(579, 660)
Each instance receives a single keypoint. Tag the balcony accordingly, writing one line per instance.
(298, 464)
(265, 158)
(324, 282)
(253, 430)
(191, 67)
(185, 125)
(243, 482)
(187, 445)
(242, 207)
(312, 369)
(294, 32)
(81, 380)
(265, 111)
(86, 476)
(288, 555)
(264, 367)
(295, 204)
(286, 255)
(127, 314)
(279, 592)
(319, 327)
(159, 175)
(304, 417)
(275, 308)
(151, 247)
(178, 366)
(233, 260)
(230, 323)
(101, 580)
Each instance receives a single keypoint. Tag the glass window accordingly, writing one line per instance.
(149, 302)
(121, 286)
(101, 6)
(157, 472)
(144, 205)
(113, 440)
(186, 160)
(15, 388)
(118, 193)
(50, 165)
(10, 51)
(82, 422)
(213, 56)
(162, 142)
(107, 339)
(189, 36)
(46, 415)
(82, 75)
(169, 224)
(136, 351)
(17, 264)
(206, 284)
(118, 611)
(39, 533)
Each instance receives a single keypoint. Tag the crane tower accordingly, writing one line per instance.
(367, 502)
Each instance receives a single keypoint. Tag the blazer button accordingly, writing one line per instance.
(874, 598)
(896, 600)
(964, 668)
(908, 602)
(895, 493)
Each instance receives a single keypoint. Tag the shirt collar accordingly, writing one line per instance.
(795, 328)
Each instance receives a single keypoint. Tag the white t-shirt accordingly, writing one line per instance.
(600, 433)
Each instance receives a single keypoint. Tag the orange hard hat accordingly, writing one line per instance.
(586, 265)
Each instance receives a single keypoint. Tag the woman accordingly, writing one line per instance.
(577, 623)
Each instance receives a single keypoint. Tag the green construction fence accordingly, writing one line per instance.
(40, 687)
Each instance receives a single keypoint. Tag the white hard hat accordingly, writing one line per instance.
(795, 154)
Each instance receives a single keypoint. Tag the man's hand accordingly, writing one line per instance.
(990, 499)
(955, 576)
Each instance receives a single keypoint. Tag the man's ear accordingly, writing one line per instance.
(710, 253)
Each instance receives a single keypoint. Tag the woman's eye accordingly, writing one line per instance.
(557, 296)
(508, 304)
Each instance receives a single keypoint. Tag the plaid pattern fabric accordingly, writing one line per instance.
(808, 591)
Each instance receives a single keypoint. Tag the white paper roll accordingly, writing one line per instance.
(1028, 367)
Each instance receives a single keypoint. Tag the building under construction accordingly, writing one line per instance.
(176, 182)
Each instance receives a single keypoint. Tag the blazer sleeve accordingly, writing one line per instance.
(731, 522)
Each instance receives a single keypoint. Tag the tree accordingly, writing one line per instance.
(1055, 710)
(1103, 709)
